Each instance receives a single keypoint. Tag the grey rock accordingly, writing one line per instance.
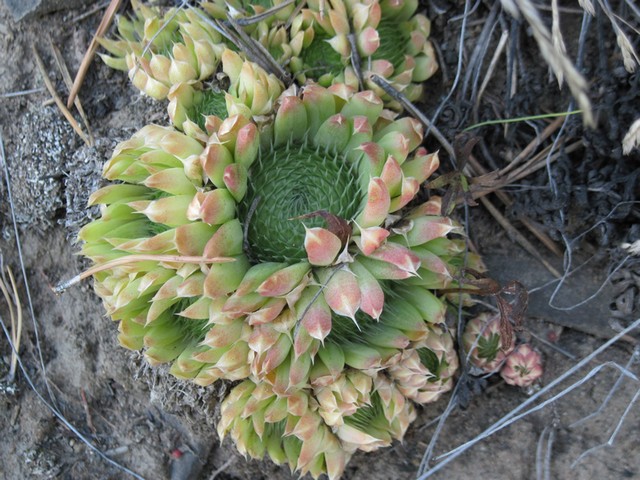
(581, 303)
(20, 9)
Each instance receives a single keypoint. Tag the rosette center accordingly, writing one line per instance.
(286, 183)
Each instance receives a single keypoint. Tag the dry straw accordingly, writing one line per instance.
(556, 58)
(632, 139)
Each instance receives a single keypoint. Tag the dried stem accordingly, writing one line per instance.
(13, 301)
(91, 51)
(62, 66)
(266, 14)
(413, 110)
(256, 51)
(61, 287)
(517, 236)
(65, 111)
(477, 169)
(493, 181)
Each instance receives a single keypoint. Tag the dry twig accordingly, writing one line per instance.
(129, 259)
(62, 66)
(485, 184)
(91, 51)
(477, 169)
(65, 111)
(15, 314)
(415, 112)
(631, 139)
(502, 43)
(21, 92)
(87, 412)
(517, 236)
(244, 21)
(90, 12)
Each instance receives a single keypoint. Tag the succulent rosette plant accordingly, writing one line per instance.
(342, 396)
(288, 429)
(378, 424)
(482, 340)
(390, 37)
(523, 366)
(426, 371)
(293, 429)
(291, 253)
(251, 92)
(163, 50)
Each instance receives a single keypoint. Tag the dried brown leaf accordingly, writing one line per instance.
(336, 225)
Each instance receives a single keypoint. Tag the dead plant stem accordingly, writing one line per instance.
(63, 108)
(91, 51)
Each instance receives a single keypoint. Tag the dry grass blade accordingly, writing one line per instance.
(87, 412)
(535, 162)
(588, 6)
(629, 55)
(224, 466)
(632, 248)
(295, 13)
(414, 112)
(244, 21)
(540, 160)
(480, 50)
(632, 138)
(517, 236)
(259, 54)
(556, 35)
(502, 43)
(477, 169)
(129, 259)
(355, 59)
(533, 144)
(90, 12)
(21, 92)
(543, 453)
(91, 51)
(62, 66)
(559, 62)
(253, 49)
(15, 314)
(65, 111)
(634, 8)
(485, 184)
